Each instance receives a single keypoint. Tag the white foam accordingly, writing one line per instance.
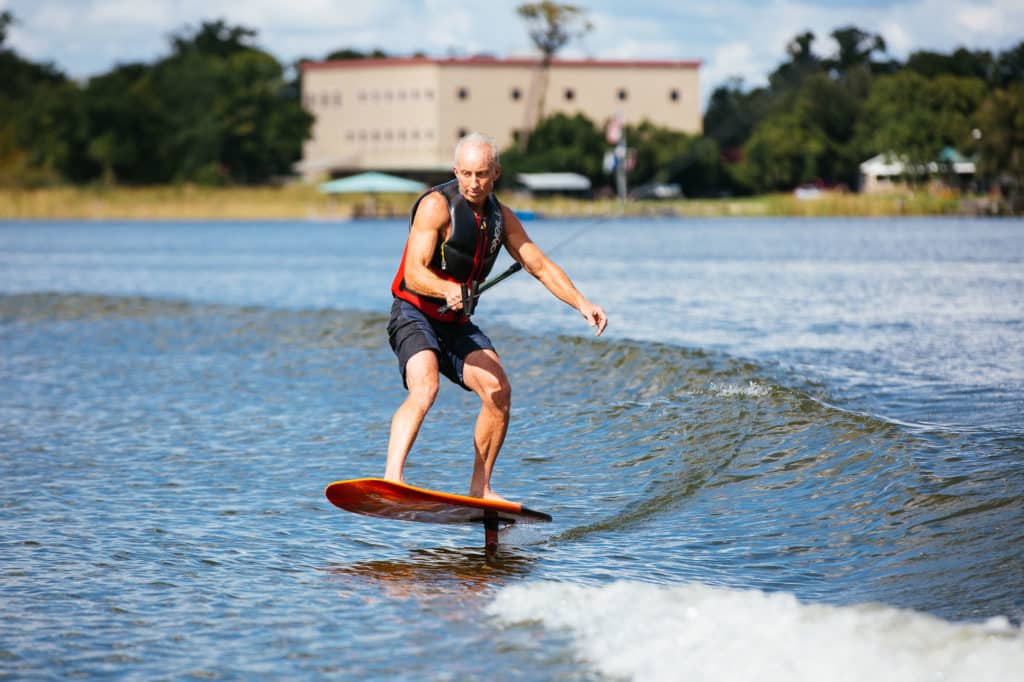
(694, 632)
(752, 389)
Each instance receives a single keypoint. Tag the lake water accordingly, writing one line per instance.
(797, 454)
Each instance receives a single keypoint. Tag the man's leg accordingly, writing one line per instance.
(482, 373)
(421, 376)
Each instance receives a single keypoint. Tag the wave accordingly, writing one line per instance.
(704, 464)
(641, 631)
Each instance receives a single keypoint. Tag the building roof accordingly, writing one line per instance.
(554, 182)
(495, 62)
(889, 164)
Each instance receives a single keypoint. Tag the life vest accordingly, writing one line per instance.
(466, 257)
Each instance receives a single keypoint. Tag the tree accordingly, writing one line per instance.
(6, 19)
(856, 50)
(220, 110)
(802, 63)
(1010, 66)
(121, 135)
(1000, 140)
(962, 62)
(914, 118)
(559, 143)
(346, 53)
(732, 113)
(668, 156)
(551, 26)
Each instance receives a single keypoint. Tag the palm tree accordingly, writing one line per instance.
(551, 26)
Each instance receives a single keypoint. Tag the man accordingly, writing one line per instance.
(456, 233)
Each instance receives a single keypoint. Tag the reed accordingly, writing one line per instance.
(304, 202)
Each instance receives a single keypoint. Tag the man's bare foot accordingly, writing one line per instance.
(489, 495)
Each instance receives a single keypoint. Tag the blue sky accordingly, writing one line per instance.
(741, 38)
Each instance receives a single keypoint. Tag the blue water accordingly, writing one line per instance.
(796, 451)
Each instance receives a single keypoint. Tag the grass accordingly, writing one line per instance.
(304, 202)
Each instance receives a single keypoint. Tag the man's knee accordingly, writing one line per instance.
(490, 383)
(421, 378)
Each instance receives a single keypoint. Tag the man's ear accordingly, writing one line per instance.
(497, 171)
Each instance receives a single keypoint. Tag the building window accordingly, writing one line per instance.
(570, 94)
(361, 96)
(623, 94)
(325, 99)
(428, 94)
(337, 99)
(461, 133)
(463, 93)
(516, 94)
(415, 94)
(673, 95)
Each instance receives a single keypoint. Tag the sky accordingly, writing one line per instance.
(731, 38)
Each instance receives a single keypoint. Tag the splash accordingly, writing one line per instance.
(693, 631)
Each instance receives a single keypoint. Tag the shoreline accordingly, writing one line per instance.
(304, 202)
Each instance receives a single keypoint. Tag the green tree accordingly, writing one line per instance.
(856, 49)
(221, 110)
(802, 64)
(807, 135)
(732, 113)
(121, 135)
(1009, 66)
(560, 143)
(39, 118)
(962, 62)
(914, 118)
(1000, 140)
(347, 53)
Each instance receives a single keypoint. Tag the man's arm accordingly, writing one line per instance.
(429, 227)
(536, 263)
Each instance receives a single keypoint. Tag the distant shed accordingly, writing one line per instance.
(554, 183)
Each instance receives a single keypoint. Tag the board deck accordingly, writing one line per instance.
(389, 500)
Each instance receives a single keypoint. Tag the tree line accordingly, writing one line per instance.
(217, 109)
(816, 120)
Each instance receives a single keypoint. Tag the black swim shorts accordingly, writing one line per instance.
(410, 331)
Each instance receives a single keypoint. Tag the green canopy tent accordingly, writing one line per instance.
(372, 184)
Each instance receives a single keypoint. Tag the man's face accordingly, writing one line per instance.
(476, 173)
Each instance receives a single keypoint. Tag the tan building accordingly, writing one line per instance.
(404, 115)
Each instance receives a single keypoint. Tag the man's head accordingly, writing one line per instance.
(476, 167)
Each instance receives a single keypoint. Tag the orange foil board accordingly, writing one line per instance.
(389, 500)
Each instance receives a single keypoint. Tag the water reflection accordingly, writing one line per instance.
(428, 575)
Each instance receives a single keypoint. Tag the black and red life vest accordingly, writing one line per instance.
(466, 257)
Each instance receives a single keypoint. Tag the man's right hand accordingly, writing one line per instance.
(453, 296)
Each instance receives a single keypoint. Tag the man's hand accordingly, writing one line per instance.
(594, 315)
(453, 296)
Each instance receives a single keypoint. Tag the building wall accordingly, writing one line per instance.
(405, 115)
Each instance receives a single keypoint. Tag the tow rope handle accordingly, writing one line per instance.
(469, 298)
